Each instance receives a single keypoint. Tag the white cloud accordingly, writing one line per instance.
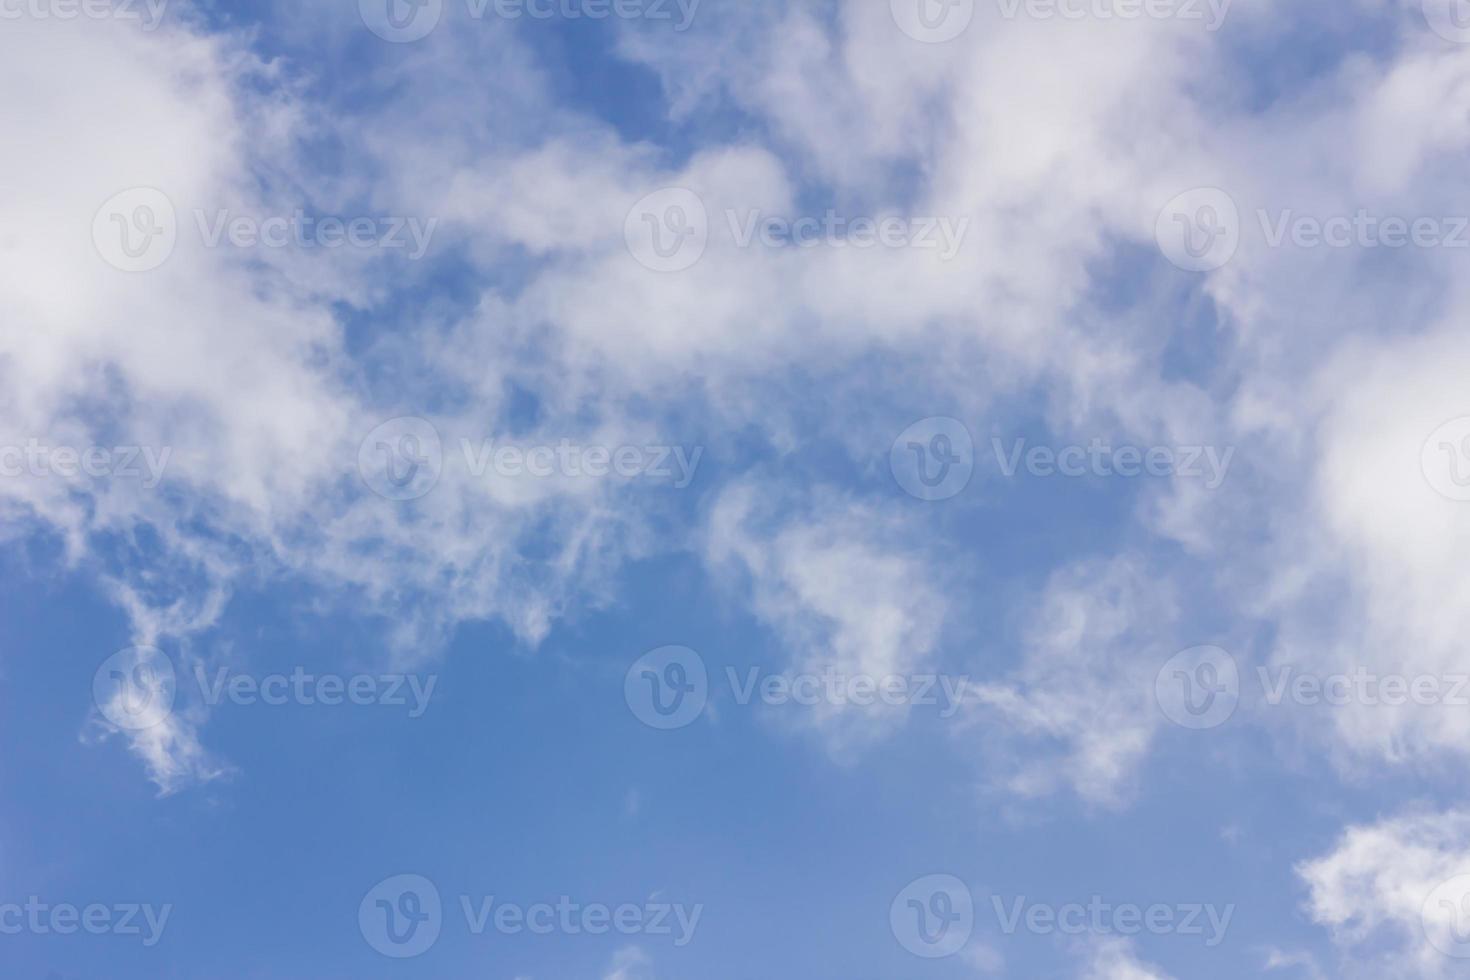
(1116, 960)
(839, 589)
(1373, 892)
(1093, 647)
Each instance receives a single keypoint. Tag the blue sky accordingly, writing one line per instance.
(843, 489)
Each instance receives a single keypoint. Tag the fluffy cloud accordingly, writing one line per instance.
(1389, 893)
